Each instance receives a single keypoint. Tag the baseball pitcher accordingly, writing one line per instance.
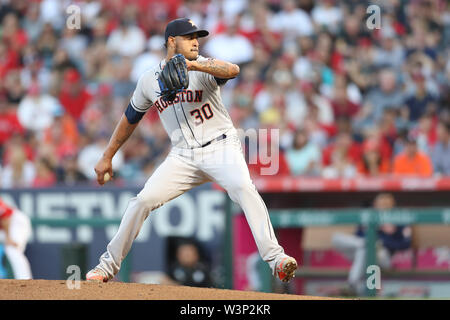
(185, 89)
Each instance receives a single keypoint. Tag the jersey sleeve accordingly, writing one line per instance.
(209, 80)
(139, 101)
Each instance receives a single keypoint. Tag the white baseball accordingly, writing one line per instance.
(106, 177)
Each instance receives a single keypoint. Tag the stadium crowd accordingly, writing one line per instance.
(348, 100)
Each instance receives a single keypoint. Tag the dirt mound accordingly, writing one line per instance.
(58, 290)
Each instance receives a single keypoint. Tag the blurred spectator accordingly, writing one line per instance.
(45, 176)
(9, 123)
(345, 145)
(196, 10)
(342, 80)
(310, 102)
(123, 85)
(391, 238)
(441, 152)
(374, 137)
(291, 21)
(90, 154)
(303, 66)
(304, 157)
(12, 34)
(230, 45)
(421, 101)
(52, 11)
(135, 154)
(340, 167)
(74, 96)
(412, 162)
(372, 162)
(128, 40)
(47, 43)
(36, 110)
(34, 70)
(75, 43)
(15, 90)
(270, 102)
(62, 135)
(425, 132)
(149, 58)
(157, 140)
(341, 104)
(90, 9)
(327, 15)
(19, 172)
(254, 26)
(32, 22)
(243, 108)
(317, 133)
(386, 95)
(68, 173)
(188, 269)
(390, 125)
(400, 142)
(391, 53)
(100, 114)
(352, 30)
(9, 59)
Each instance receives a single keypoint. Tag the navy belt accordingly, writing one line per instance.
(223, 136)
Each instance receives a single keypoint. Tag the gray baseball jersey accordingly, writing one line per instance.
(195, 117)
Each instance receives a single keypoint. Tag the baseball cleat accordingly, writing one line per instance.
(286, 269)
(97, 275)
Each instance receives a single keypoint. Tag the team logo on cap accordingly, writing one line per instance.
(192, 22)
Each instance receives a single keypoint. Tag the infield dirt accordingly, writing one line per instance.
(58, 290)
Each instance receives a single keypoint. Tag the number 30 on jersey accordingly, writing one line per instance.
(202, 113)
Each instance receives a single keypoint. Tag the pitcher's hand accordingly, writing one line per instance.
(104, 165)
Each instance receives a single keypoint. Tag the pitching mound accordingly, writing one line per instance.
(58, 290)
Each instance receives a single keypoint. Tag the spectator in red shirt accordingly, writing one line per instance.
(74, 96)
(344, 141)
(9, 60)
(9, 123)
(12, 34)
(341, 104)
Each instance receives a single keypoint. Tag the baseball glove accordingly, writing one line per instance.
(173, 78)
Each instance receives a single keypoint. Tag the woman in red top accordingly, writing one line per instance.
(372, 162)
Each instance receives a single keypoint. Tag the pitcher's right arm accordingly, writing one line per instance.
(121, 133)
(138, 106)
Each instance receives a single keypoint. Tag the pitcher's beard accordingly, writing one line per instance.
(191, 56)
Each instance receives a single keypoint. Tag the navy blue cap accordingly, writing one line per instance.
(182, 27)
